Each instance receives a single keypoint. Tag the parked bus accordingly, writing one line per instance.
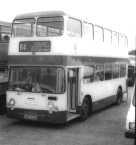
(5, 31)
(62, 67)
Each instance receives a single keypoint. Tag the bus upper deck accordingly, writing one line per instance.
(50, 32)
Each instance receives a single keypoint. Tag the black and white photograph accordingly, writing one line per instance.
(67, 72)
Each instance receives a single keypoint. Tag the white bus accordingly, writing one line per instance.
(62, 67)
(5, 31)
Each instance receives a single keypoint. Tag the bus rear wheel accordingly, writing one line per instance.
(119, 96)
(85, 109)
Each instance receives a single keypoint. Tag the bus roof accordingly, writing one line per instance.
(41, 14)
(2, 23)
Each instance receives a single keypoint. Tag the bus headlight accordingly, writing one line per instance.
(11, 103)
(52, 107)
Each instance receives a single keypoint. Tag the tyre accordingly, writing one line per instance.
(119, 96)
(85, 109)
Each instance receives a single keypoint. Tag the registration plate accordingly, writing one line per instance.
(30, 116)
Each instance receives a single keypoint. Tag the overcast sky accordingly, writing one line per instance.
(118, 15)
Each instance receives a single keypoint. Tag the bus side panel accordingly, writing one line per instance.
(104, 92)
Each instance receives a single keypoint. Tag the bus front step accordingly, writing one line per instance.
(71, 116)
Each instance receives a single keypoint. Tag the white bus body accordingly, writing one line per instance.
(88, 68)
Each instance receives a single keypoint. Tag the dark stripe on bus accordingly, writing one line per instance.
(60, 60)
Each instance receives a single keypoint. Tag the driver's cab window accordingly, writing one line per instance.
(74, 27)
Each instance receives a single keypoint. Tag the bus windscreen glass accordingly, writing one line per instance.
(37, 79)
(50, 26)
(23, 27)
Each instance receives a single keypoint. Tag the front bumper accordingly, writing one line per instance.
(38, 115)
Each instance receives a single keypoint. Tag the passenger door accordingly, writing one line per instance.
(73, 88)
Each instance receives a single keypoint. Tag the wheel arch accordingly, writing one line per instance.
(89, 97)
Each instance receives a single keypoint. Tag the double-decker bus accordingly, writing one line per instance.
(5, 30)
(62, 67)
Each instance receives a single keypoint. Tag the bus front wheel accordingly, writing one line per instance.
(85, 109)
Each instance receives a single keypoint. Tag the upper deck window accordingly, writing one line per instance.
(98, 33)
(23, 27)
(74, 27)
(88, 30)
(115, 38)
(107, 36)
(50, 26)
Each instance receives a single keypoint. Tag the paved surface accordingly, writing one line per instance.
(105, 127)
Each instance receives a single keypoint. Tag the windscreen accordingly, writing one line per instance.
(50, 26)
(37, 79)
(23, 27)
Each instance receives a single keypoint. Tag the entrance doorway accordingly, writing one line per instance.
(73, 88)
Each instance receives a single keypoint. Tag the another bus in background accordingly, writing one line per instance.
(5, 32)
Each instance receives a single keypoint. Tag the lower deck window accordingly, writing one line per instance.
(108, 71)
